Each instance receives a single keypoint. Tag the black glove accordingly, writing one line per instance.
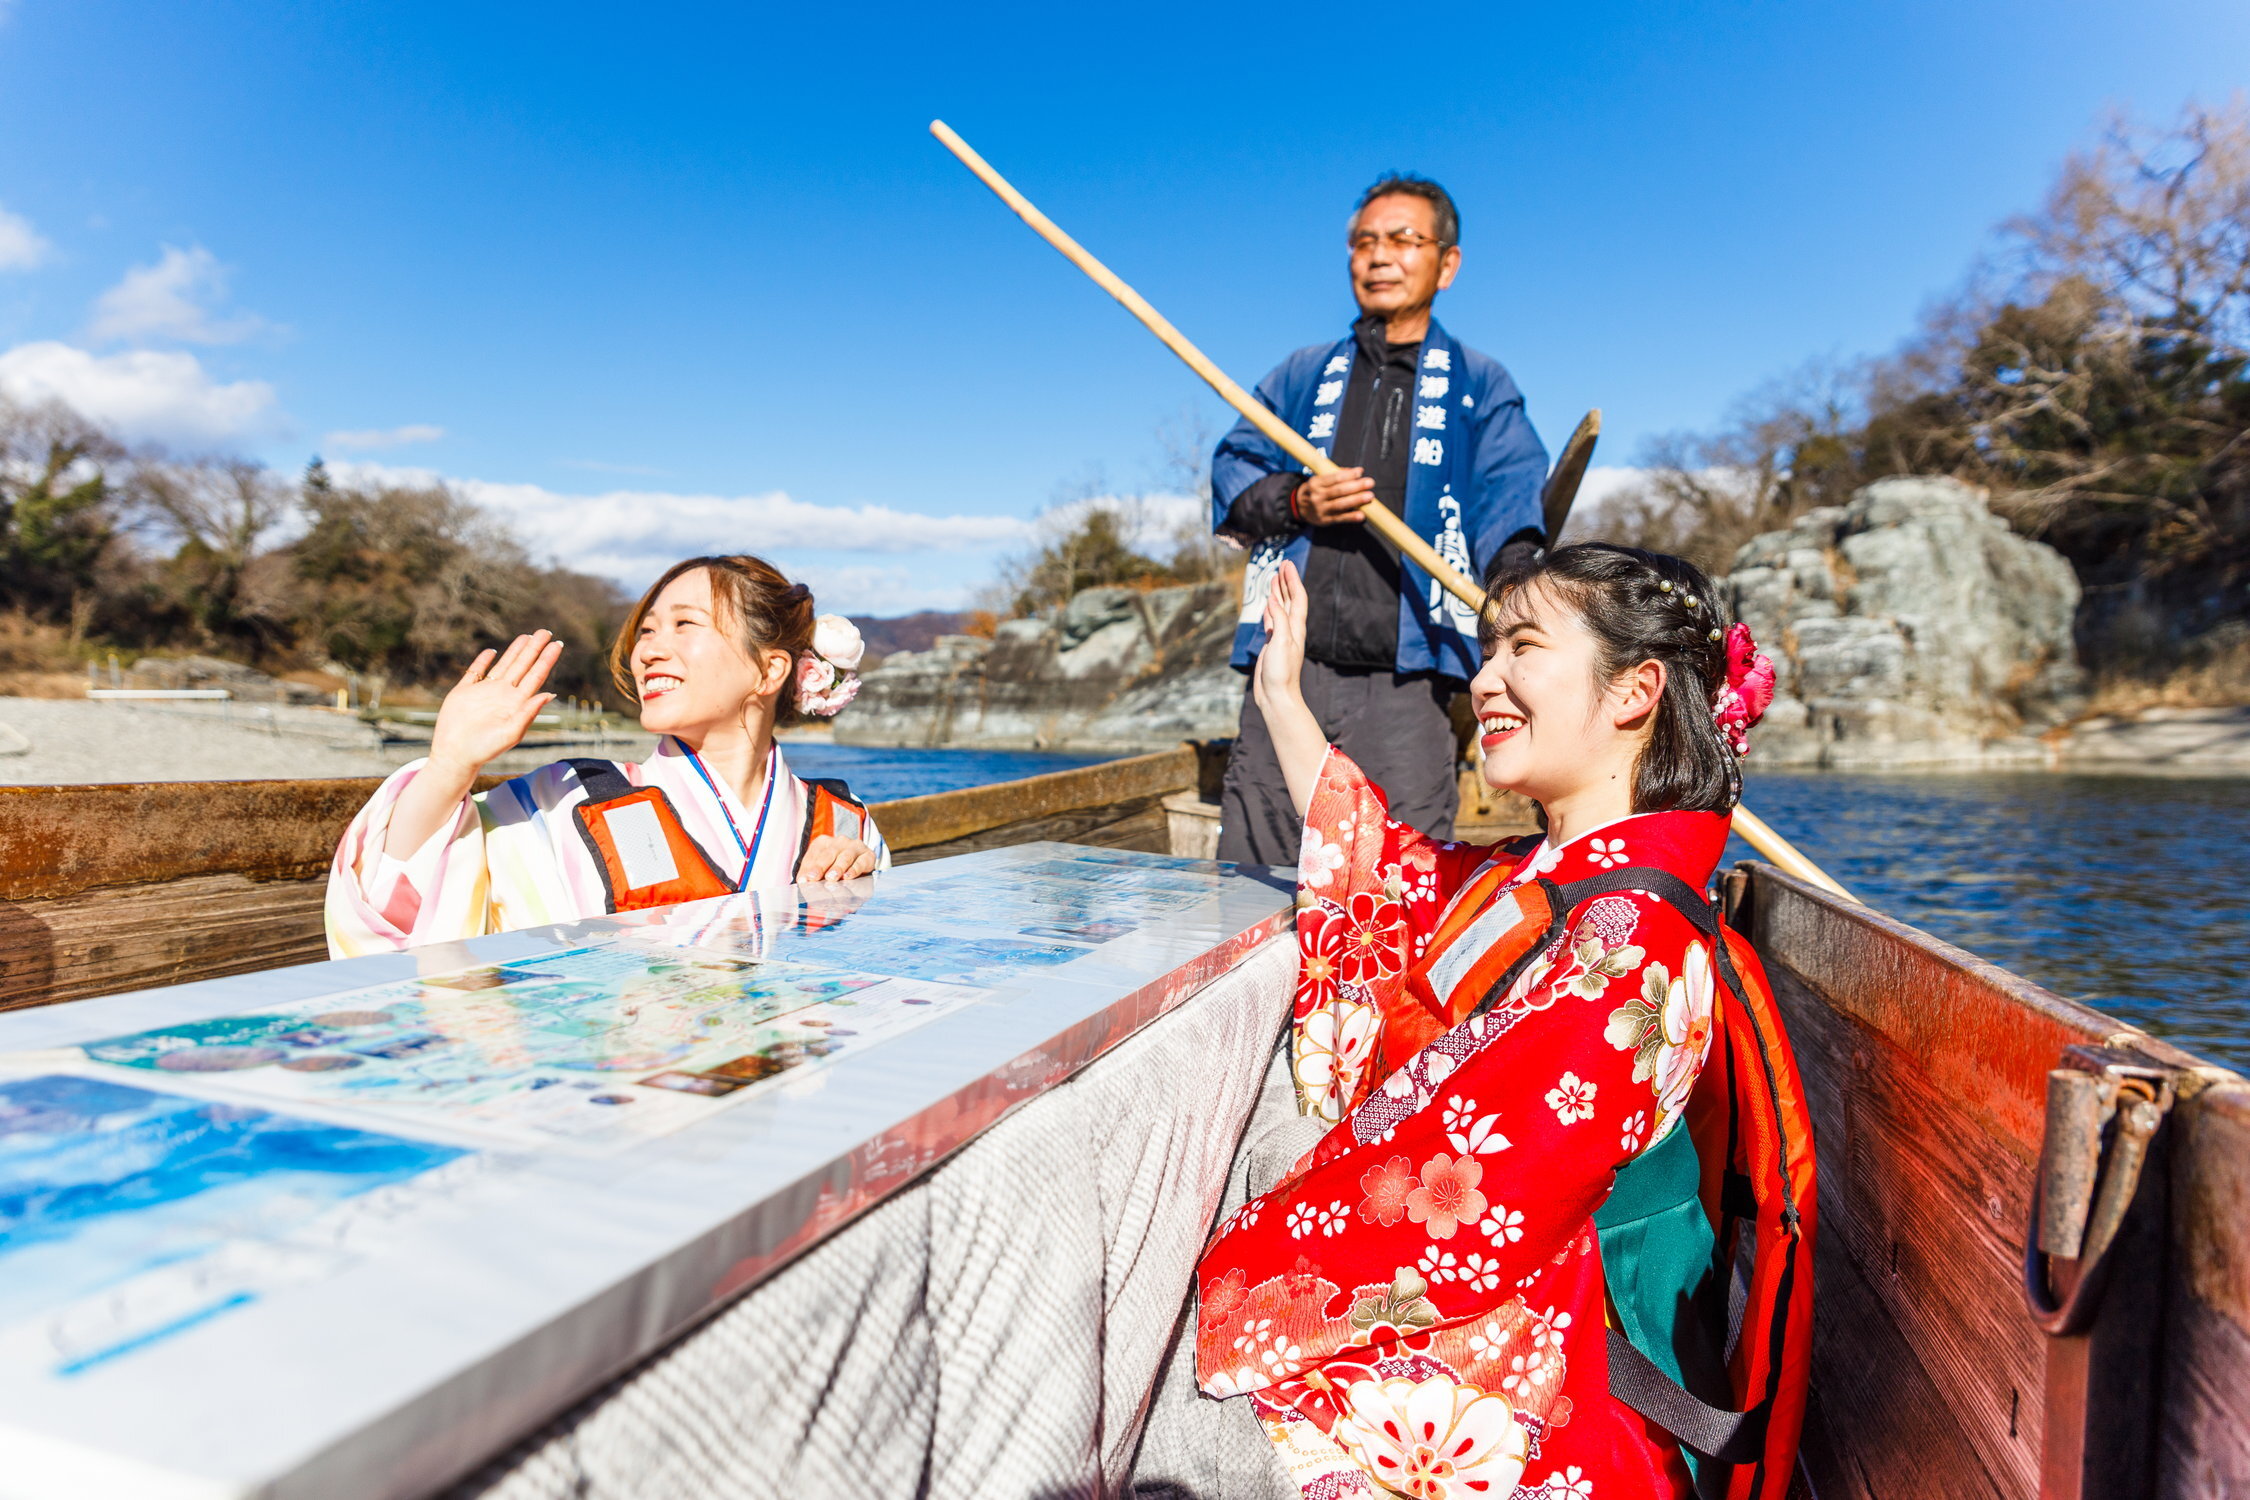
(1262, 510)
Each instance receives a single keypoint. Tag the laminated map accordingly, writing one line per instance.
(596, 1046)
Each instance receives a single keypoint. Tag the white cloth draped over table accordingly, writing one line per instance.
(998, 1330)
(513, 856)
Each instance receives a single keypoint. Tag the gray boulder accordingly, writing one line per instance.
(1909, 627)
(1114, 669)
(245, 684)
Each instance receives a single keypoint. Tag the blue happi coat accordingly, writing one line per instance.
(1472, 482)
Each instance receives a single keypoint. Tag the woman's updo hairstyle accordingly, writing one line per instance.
(765, 611)
(1643, 606)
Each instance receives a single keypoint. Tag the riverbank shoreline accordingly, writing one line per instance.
(82, 742)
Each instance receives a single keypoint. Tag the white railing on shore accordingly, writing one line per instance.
(202, 693)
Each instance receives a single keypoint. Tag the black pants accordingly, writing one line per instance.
(1394, 727)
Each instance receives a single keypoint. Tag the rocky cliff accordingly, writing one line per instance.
(1910, 627)
(1116, 669)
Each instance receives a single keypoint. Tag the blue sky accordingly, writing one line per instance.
(668, 278)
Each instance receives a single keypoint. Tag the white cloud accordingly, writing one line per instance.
(384, 437)
(1603, 484)
(141, 393)
(21, 246)
(179, 298)
(868, 589)
(633, 535)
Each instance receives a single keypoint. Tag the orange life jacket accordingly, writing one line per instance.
(647, 858)
(1754, 1145)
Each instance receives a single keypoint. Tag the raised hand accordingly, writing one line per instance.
(484, 716)
(1299, 743)
(1283, 659)
(493, 704)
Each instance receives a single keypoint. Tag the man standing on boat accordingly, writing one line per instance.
(1437, 432)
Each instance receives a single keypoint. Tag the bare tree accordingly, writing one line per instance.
(1784, 449)
(2157, 218)
(2090, 375)
(225, 506)
(2093, 373)
(220, 512)
(1092, 533)
(408, 584)
(1186, 440)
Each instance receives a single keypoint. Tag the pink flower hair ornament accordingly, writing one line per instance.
(1742, 700)
(826, 675)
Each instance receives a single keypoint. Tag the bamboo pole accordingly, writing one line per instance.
(1787, 857)
(1754, 829)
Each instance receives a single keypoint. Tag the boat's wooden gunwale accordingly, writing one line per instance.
(60, 841)
(124, 886)
(1117, 803)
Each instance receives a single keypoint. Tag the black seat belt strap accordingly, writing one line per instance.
(1677, 893)
(601, 779)
(1727, 1437)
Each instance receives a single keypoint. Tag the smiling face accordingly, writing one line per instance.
(1397, 263)
(1551, 727)
(691, 669)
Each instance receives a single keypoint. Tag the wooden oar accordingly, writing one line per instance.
(1753, 829)
(1570, 470)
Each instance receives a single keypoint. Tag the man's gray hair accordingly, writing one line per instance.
(1412, 185)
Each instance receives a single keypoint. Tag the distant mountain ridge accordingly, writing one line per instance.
(915, 632)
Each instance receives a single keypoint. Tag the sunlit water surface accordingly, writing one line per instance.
(2128, 893)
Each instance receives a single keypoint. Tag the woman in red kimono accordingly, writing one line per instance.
(1419, 1307)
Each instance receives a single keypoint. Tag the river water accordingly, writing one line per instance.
(2128, 893)
(881, 775)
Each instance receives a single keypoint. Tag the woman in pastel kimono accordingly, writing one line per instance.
(717, 653)
(1419, 1306)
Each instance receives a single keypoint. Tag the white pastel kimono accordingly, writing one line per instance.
(513, 856)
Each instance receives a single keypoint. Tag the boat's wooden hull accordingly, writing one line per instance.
(1927, 1072)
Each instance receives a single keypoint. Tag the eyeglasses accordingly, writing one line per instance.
(1400, 241)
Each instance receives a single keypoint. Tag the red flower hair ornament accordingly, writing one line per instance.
(1742, 700)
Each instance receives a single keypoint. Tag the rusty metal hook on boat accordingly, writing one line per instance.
(2079, 1199)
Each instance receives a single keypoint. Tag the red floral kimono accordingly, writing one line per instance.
(1418, 1307)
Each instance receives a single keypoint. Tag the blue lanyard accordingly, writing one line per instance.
(765, 804)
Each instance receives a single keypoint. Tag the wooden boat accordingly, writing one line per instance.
(1964, 1116)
